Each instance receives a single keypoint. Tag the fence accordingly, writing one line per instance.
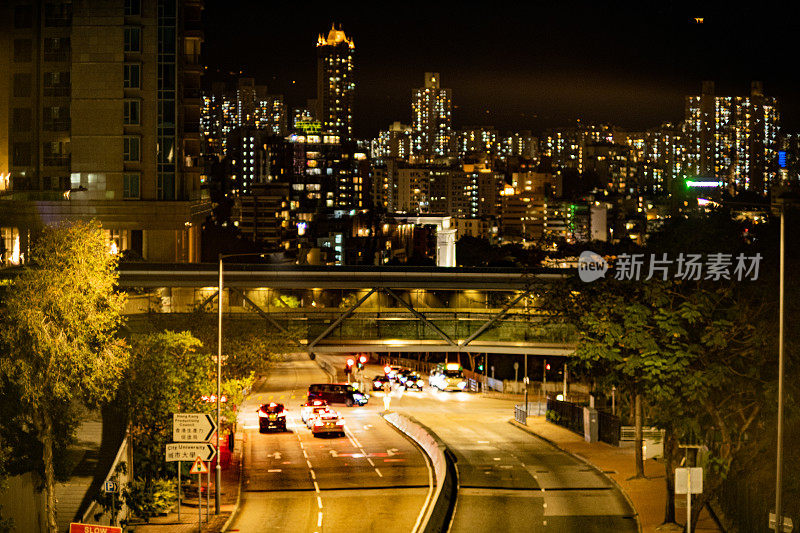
(521, 413)
(608, 428)
(570, 416)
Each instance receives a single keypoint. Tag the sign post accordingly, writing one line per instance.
(112, 487)
(179, 491)
(199, 468)
(786, 527)
(689, 481)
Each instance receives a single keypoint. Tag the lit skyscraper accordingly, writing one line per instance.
(733, 139)
(335, 85)
(432, 120)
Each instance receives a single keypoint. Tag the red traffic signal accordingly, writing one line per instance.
(362, 359)
(350, 362)
(547, 366)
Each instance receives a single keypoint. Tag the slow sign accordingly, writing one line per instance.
(93, 528)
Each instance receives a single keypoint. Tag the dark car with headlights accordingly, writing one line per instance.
(271, 416)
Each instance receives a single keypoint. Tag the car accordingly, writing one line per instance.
(310, 409)
(344, 393)
(379, 381)
(413, 382)
(391, 371)
(271, 416)
(328, 422)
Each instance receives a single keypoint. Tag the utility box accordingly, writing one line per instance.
(590, 424)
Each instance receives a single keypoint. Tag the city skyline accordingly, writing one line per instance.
(543, 67)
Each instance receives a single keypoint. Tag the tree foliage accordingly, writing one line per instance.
(58, 338)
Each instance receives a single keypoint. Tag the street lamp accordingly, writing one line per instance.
(783, 201)
(218, 474)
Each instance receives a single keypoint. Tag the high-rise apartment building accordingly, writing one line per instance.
(733, 139)
(335, 83)
(99, 119)
(248, 106)
(432, 114)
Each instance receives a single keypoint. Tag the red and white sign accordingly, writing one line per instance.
(199, 467)
(93, 528)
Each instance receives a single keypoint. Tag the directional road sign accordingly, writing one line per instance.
(192, 427)
(188, 451)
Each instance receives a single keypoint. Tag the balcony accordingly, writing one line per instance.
(57, 91)
(56, 160)
(57, 56)
(61, 124)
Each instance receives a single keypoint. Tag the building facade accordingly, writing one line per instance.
(335, 83)
(99, 119)
(432, 113)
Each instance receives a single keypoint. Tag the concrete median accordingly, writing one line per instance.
(440, 506)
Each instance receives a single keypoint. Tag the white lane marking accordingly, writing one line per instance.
(309, 464)
(319, 519)
(378, 472)
(316, 488)
(496, 458)
(370, 462)
(274, 470)
(483, 442)
(392, 451)
(301, 445)
(319, 502)
(305, 454)
(313, 475)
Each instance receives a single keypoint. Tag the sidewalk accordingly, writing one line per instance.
(188, 523)
(648, 496)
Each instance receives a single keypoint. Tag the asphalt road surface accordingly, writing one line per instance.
(374, 479)
(510, 480)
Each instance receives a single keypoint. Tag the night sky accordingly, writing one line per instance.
(517, 67)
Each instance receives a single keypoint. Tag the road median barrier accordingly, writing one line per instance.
(440, 505)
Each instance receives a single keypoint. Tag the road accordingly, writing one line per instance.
(510, 480)
(373, 480)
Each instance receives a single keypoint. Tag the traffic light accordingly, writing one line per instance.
(362, 359)
(349, 366)
(547, 366)
(480, 365)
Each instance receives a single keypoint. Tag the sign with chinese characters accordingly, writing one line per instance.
(688, 267)
(189, 451)
(192, 427)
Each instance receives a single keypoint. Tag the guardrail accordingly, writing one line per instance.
(522, 412)
(441, 505)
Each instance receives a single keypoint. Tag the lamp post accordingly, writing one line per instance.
(784, 200)
(218, 473)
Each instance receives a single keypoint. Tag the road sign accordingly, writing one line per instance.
(192, 427)
(110, 486)
(93, 528)
(187, 451)
(199, 467)
(682, 476)
(788, 526)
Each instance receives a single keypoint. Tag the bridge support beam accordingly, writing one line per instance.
(261, 312)
(496, 317)
(341, 319)
(420, 316)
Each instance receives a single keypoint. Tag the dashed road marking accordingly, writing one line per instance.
(319, 502)
(378, 472)
(316, 488)
(319, 519)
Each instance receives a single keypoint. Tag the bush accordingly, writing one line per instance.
(147, 499)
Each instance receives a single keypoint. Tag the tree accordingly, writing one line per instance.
(58, 337)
